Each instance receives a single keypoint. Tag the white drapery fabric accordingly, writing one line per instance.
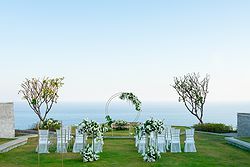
(168, 136)
(161, 143)
(175, 140)
(80, 140)
(189, 142)
(62, 140)
(67, 130)
(43, 141)
(98, 144)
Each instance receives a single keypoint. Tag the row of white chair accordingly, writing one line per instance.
(171, 137)
(63, 138)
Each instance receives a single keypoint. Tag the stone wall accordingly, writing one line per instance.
(243, 124)
(7, 121)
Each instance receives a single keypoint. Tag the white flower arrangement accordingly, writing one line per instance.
(139, 131)
(120, 125)
(50, 124)
(91, 128)
(131, 98)
(151, 155)
(152, 125)
(88, 154)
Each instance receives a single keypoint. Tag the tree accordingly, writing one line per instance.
(193, 92)
(41, 94)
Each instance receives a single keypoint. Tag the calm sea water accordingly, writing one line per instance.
(171, 113)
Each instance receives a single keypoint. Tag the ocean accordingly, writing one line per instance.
(172, 113)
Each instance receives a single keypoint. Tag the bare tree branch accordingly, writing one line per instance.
(41, 94)
(192, 92)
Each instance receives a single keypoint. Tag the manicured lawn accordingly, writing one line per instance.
(2, 141)
(212, 151)
(246, 139)
(118, 133)
(127, 132)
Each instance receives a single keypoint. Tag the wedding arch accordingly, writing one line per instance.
(129, 97)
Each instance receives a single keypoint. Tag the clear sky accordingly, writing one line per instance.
(104, 47)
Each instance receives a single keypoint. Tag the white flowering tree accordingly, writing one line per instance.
(192, 92)
(41, 94)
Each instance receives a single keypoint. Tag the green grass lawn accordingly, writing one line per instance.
(246, 139)
(118, 133)
(212, 151)
(2, 141)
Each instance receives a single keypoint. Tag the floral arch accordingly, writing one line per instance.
(129, 97)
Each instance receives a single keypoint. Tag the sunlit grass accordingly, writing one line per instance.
(2, 141)
(246, 139)
(212, 151)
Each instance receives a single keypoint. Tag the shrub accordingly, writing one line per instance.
(50, 124)
(213, 127)
(109, 120)
(120, 125)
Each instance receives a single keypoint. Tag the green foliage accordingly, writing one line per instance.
(151, 154)
(152, 125)
(50, 124)
(109, 120)
(120, 125)
(91, 128)
(133, 99)
(213, 127)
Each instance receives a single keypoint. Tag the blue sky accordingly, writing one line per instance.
(104, 47)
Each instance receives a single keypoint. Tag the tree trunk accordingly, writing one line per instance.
(200, 119)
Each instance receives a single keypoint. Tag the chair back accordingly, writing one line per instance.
(61, 136)
(79, 137)
(189, 133)
(67, 130)
(168, 131)
(175, 134)
(161, 138)
(43, 135)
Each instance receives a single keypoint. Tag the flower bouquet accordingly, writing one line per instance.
(88, 154)
(151, 155)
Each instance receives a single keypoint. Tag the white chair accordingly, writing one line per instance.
(161, 143)
(175, 140)
(67, 130)
(189, 142)
(79, 143)
(62, 143)
(168, 136)
(98, 144)
(142, 145)
(43, 141)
